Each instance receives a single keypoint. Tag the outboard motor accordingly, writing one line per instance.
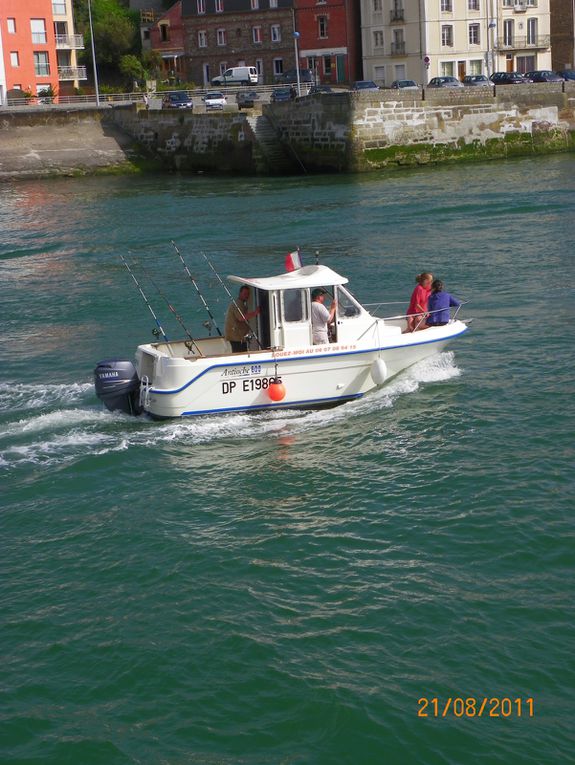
(118, 385)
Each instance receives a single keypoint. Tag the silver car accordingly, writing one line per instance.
(444, 82)
(214, 100)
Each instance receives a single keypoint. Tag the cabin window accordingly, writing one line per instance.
(294, 305)
(346, 305)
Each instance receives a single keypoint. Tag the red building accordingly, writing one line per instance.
(329, 42)
(38, 46)
(29, 45)
(166, 36)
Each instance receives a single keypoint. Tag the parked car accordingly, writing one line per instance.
(246, 99)
(444, 82)
(567, 74)
(214, 100)
(364, 85)
(544, 75)
(404, 85)
(509, 78)
(476, 80)
(177, 100)
(320, 89)
(305, 75)
(285, 93)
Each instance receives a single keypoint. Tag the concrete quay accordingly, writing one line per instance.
(327, 132)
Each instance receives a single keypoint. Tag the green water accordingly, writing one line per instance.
(283, 588)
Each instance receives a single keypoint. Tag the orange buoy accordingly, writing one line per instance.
(276, 390)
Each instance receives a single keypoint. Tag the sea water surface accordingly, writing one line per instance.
(287, 587)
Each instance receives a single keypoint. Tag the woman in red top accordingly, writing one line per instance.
(418, 302)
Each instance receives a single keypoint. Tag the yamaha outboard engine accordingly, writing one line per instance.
(118, 385)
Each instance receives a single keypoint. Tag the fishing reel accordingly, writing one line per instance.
(208, 325)
(156, 332)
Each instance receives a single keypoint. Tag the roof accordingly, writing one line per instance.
(301, 278)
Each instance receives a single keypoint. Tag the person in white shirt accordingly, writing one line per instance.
(320, 316)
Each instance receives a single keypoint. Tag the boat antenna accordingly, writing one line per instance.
(193, 281)
(172, 309)
(317, 257)
(155, 331)
(239, 310)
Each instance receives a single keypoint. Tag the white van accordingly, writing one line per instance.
(237, 75)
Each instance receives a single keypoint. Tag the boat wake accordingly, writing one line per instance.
(51, 425)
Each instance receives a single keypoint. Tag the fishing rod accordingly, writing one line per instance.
(172, 309)
(193, 281)
(239, 310)
(145, 299)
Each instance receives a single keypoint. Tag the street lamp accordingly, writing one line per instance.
(93, 53)
(295, 39)
(490, 26)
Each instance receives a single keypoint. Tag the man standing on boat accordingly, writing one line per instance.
(237, 327)
(320, 316)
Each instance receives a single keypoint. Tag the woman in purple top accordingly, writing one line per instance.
(438, 305)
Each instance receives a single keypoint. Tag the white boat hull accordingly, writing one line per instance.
(313, 376)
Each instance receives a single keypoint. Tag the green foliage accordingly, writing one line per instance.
(131, 67)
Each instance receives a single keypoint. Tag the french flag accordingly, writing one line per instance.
(293, 261)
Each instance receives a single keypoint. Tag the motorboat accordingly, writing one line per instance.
(282, 368)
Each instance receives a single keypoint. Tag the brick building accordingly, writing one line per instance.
(329, 43)
(224, 33)
(563, 34)
(39, 46)
(166, 36)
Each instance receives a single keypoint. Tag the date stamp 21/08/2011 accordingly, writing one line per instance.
(472, 706)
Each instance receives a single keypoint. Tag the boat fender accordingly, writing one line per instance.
(276, 390)
(379, 371)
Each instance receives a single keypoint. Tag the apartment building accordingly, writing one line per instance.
(329, 42)
(3, 86)
(39, 46)
(421, 39)
(223, 33)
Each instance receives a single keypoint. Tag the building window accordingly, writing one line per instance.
(327, 65)
(322, 27)
(41, 64)
(260, 68)
(38, 29)
(276, 33)
(473, 5)
(220, 36)
(202, 39)
(446, 68)
(377, 6)
(257, 34)
(201, 6)
(446, 6)
(219, 6)
(278, 66)
(164, 32)
(508, 3)
(14, 59)
(273, 3)
(531, 31)
(255, 5)
(378, 39)
(447, 36)
(11, 23)
(474, 34)
(476, 66)
(379, 74)
(525, 64)
(58, 8)
(508, 32)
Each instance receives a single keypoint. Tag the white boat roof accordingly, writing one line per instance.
(301, 278)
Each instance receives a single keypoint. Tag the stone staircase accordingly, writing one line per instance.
(270, 154)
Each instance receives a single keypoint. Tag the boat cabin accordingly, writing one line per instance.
(284, 301)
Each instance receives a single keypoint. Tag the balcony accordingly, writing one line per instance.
(396, 15)
(72, 73)
(524, 43)
(398, 48)
(69, 42)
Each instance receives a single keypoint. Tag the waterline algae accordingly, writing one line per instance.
(286, 587)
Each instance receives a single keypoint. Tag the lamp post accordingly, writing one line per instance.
(490, 26)
(93, 53)
(295, 39)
